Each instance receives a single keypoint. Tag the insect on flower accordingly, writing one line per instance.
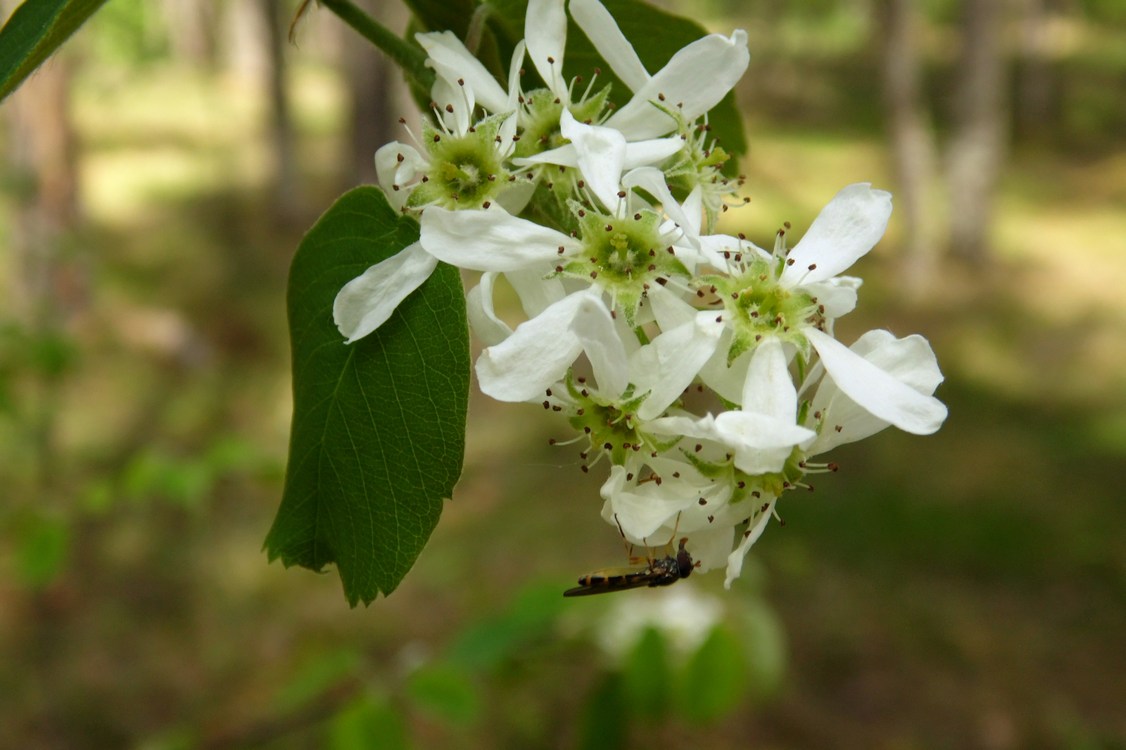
(664, 571)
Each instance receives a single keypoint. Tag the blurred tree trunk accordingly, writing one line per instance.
(255, 45)
(191, 30)
(977, 144)
(1036, 90)
(912, 138)
(286, 193)
(42, 158)
(47, 286)
(376, 94)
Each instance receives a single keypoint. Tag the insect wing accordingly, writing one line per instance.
(613, 579)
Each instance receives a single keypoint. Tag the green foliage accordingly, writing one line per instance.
(446, 692)
(35, 30)
(601, 725)
(378, 426)
(646, 676)
(715, 678)
(318, 676)
(41, 545)
(764, 645)
(485, 645)
(368, 723)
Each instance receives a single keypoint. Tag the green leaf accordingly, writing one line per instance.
(715, 678)
(378, 429)
(485, 645)
(604, 720)
(446, 692)
(369, 723)
(42, 544)
(646, 676)
(35, 30)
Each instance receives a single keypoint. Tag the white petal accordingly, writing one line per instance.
(724, 59)
(545, 31)
(642, 509)
(367, 301)
(601, 156)
(534, 357)
(718, 248)
(703, 427)
(669, 310)
(769, 389)
(514, 196)
(535, 290)
(671, 362)
(727, 382)
(564, 156)
(651, 151)
(397, 166)
(761, 443)
(711, 546)
(735, 559)
(455, 103)
(845, 230)
(603, 32)
(837, 295)
(489, 240)
(514, 68)
(910, 360)
(452, 61)
(881, 393)
(693, 82)
(652, 181)
(482, 316)
(604, 348)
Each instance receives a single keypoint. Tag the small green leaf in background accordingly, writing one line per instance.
(715, 678)
(368, 723)
(646, 676)
(445, 692)
(42, 543)
(486, 644)
(35, 30)
(604, 721)
(317, 675)
(378, 431)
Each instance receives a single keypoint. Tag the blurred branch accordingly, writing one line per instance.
(264, 731)
(406, 55)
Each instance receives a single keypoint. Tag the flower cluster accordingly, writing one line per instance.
(701, 367)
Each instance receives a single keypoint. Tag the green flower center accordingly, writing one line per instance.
(466, 171)
(757, 305)
(607, 422)
(624, 256)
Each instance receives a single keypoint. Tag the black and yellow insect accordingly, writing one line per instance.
(663, 571)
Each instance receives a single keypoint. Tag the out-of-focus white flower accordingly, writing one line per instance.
(683, 615)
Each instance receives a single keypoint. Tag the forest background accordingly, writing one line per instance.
(962, 590)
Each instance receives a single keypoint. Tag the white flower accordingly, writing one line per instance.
(763, 433)
(540, 351)
(682, 614)
(890, 367)
(692, 82)
(858, 400)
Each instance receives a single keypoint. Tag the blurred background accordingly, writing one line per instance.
(964, 590)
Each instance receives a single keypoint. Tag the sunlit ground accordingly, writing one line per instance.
(961, 590)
